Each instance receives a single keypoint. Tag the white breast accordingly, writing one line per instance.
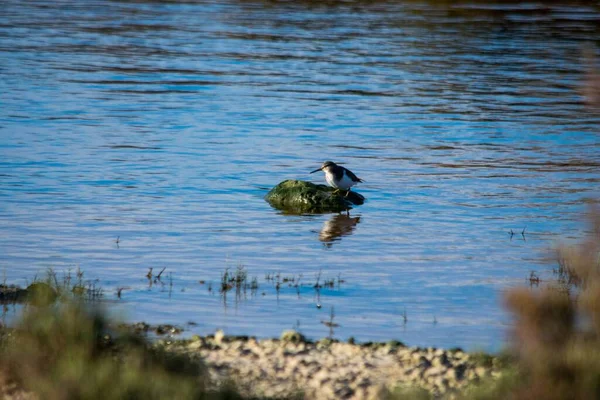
(329, 179)
(345, 183)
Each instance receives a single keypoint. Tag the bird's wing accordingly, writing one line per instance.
(353, 177)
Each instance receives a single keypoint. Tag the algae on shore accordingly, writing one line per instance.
(299, 197)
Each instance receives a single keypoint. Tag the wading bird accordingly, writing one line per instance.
(338, 177)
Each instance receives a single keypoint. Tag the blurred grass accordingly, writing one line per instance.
(67, 351)
(556, 338)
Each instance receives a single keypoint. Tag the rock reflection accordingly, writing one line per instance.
(339, 225)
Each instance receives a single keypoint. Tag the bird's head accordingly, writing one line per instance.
(326, 165)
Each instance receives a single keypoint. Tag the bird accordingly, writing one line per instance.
(338, 177)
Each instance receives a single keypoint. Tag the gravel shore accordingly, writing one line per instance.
(293, 367)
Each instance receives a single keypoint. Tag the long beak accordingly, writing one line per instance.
(316, 170)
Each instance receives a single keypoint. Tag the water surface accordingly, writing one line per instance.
(164, 125)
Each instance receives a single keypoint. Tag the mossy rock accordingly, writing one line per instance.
(300, 197)
(292, 336)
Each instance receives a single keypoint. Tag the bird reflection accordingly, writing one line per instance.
(339, 225)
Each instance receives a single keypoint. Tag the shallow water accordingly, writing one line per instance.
(165, 124)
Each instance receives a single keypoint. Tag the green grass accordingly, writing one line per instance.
(68, 351)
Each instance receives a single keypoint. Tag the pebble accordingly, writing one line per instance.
(328, 369)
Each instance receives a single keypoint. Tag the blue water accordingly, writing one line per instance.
(165, 124)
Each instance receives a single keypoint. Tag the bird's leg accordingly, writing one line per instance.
(336, 191)
(347, 193)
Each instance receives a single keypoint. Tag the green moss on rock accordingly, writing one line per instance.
(292, 336)
(301, 197)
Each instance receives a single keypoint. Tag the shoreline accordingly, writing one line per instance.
(293, 367)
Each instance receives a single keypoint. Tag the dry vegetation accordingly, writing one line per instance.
(591, 84)
(557, 331)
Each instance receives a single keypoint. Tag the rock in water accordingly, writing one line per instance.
(299, 197)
